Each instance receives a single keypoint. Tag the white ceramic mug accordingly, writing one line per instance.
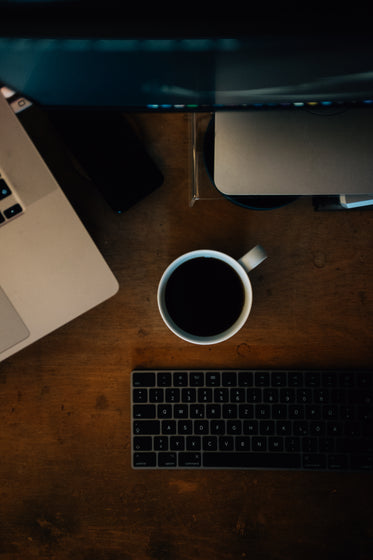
(241, 267)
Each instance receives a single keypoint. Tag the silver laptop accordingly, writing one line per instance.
(50, 269)
(294, 152)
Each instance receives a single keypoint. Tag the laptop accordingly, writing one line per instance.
(294, 152)
(50, 269)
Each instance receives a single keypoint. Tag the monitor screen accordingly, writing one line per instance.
(58, 59)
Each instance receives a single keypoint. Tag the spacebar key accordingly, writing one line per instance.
(252, 460)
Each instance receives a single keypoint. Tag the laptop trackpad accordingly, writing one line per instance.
(12, 328)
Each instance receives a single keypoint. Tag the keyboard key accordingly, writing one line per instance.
(234, 427)
(144, 411)
(262, 411)
(245, 379)
(278, 379)
(193, 443)
(172, 395)
(209, 443)
(283, 428)
(246, 411)
(270, 395)
(221, 395)
(185, 427)
(337, 462)
(213, 411)
(329, 379)
(230, 411)
(309, 445)
(168, 427)
(167, 460)
(237, 395)
(180, 379)
(188, 395)
(201, 427)
(161, 443)
(197, 379)
(287, 395)
(156, 395)
(261, 378)
(279, 411)
(254, 395)
(217, 426)
(259, 444)
(229, 379)
(313, 379)
(267, 428)
(143, 379)
(304, 395)
(190, 460)
(295, 379)
(252, 460)
(142, 443)
(275, 444)
(243, 443)
(144, 460)
(362, 463)
(212, 379)
(347, 379)
(250, 427)
(146, 427)
(140, 395)
(226, 443)
(197, 410)
(364, 379)
(292, 444)
(177, 443)
(204, 395)
(164, 379)
(181, 410)
(314, 461)
(296, 411)
(164, 411)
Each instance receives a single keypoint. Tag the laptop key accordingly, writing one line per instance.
(4, 190)
(13, 211)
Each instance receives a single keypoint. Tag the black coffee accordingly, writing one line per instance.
(204, 296)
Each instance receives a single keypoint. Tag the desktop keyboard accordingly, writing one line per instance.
(252, 419)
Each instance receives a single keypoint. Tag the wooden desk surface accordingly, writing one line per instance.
(66, 483)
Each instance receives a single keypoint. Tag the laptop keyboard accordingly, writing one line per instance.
(10, 204)
(252, 419)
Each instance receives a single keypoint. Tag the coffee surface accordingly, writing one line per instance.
(204, 296)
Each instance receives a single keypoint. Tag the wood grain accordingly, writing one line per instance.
(67, 488)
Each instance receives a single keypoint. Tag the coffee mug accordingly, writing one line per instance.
(205, 296)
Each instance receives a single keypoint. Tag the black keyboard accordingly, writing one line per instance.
(252, 419)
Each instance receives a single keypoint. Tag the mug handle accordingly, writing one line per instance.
(253, 258)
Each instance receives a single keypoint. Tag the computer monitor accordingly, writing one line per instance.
(59, 55)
